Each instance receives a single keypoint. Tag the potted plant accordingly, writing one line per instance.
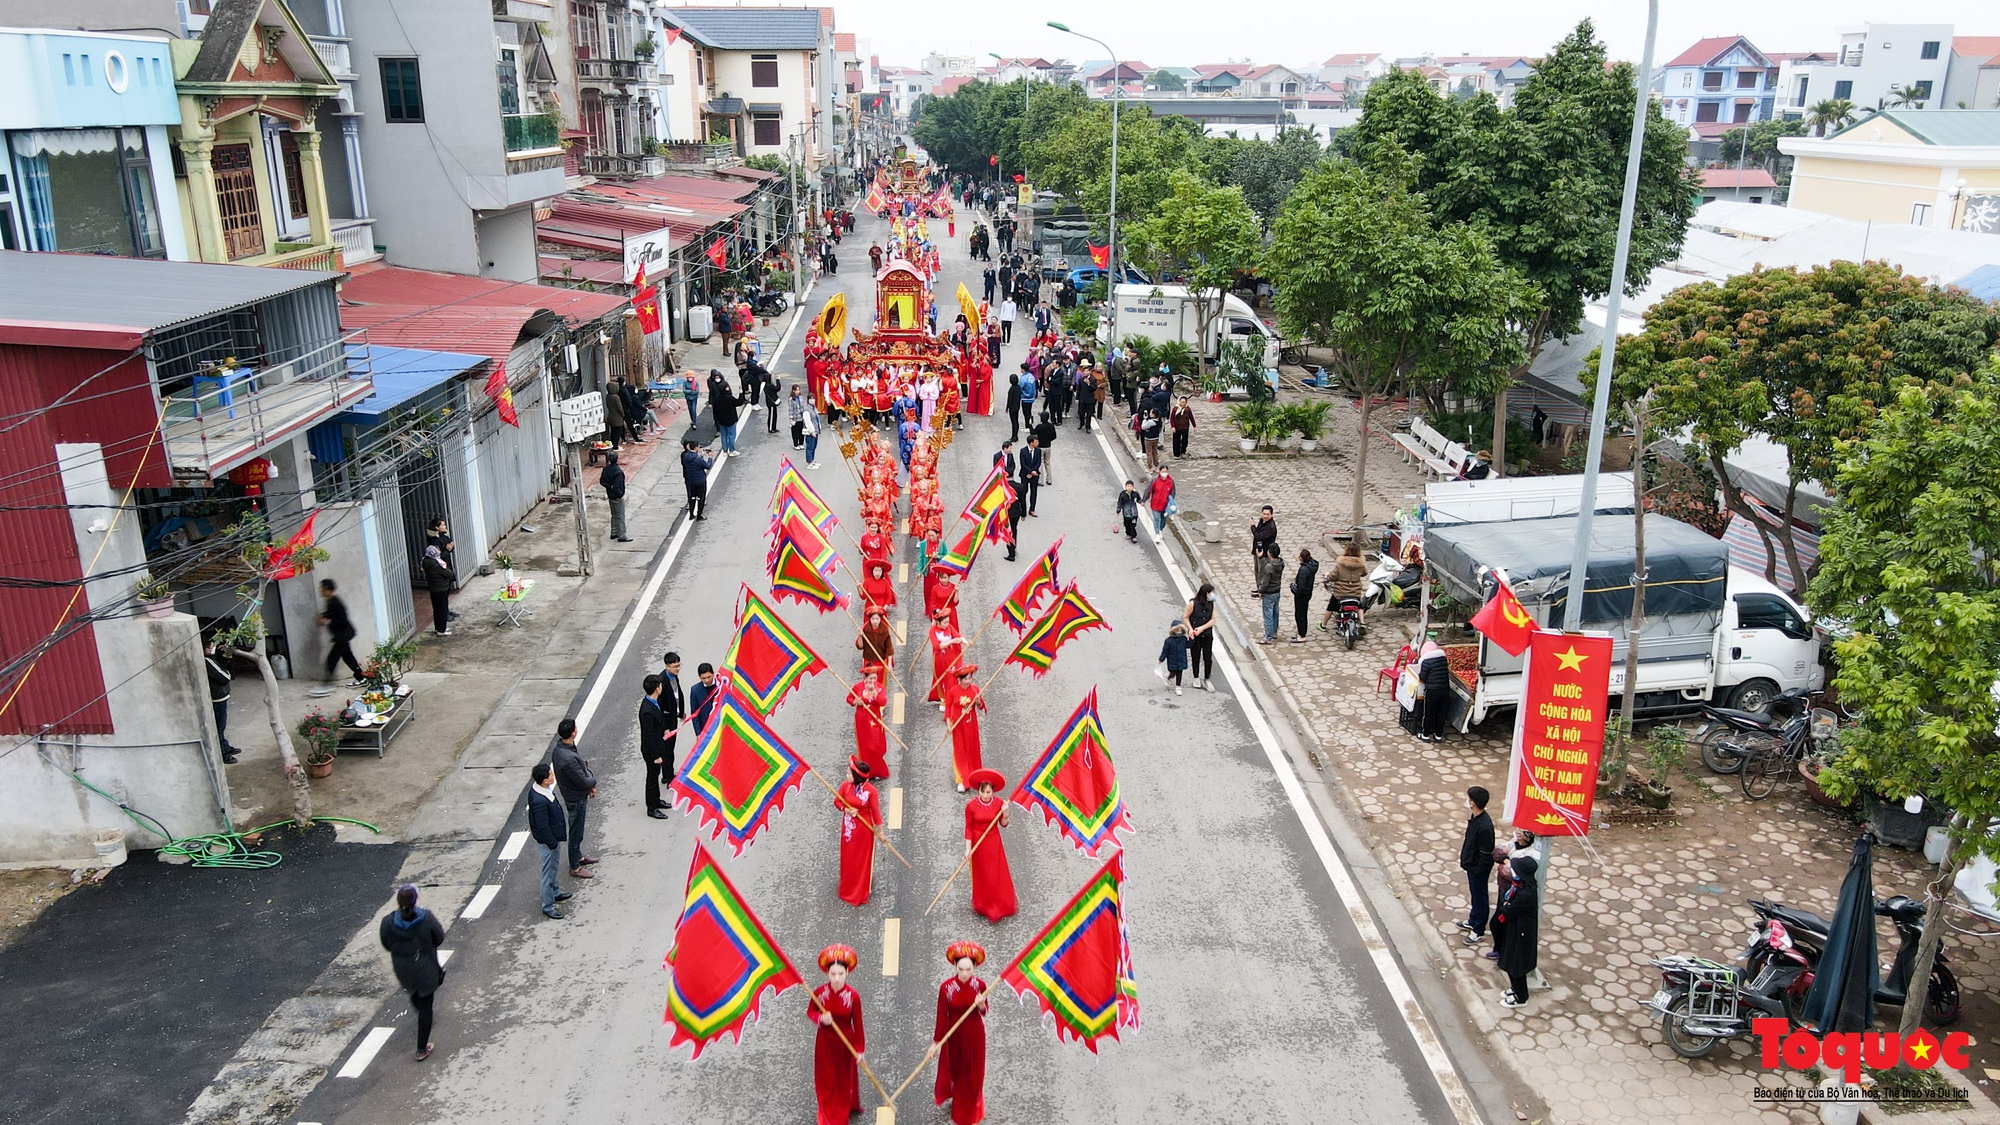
(1310, 420)
(321, 735)
(154, 596)
(1665, 748)
(1254, 421)
(388, 662)
(643, 50)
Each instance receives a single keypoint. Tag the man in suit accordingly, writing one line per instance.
(550, 828)
(701, 697)
(1031, 472)
(653, 747)
(578, 786)
(1006, 457)
(673, 701)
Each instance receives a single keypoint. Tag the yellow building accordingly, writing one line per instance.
(249, 181)
(1929, 168)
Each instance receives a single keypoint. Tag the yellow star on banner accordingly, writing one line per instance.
(1921, 1050)
(1571, 661)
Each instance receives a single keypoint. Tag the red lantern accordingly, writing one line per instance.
(252, 475)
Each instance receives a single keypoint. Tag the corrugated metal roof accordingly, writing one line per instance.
(1952, 127)
(449, 312)
(747, 29)
(140, 294)
(401, 374)
(726, 107)
(602, 273)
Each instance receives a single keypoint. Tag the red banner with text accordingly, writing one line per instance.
(1559, 733)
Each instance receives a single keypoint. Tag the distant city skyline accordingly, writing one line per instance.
(1184, 33)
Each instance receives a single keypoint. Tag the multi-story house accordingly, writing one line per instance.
(1352, 73)
(1877, 66)
(1973, 79)
(1276, 81)
(763, 77)
(1716, 85)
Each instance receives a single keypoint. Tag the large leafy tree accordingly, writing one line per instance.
(1399, 296)
(1544, 179)
(952, 129)
(1266, 170)
(1073, 156)
(1202, 234)
(1911, 562)
(1801, 358)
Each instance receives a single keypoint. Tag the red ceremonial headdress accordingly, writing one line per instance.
(986, 775)
(863, 770)
(959, 950)
(838, 955)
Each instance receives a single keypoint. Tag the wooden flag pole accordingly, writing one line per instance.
(994, 823)
(864, 656)
(949, 1032)
(878, 715)
(835, 794)
(952, 726)
(865, 1068)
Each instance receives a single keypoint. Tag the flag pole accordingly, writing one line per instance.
(835, 794)
(949, 1032)
(953, 726)
(991, 825)
(878, 715)
(865, 1068)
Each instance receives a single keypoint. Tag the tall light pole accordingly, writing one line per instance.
(1026, 82)
(1111, 276)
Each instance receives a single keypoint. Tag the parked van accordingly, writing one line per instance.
(1166, 312)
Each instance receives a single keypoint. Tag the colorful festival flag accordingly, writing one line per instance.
(958, 557)
(1037, 583)
(792, 486)
(1075, 785)
(1071, 614)
(794, 525)
(875, 201)
(1504, 621)
(794, 576)
(766, 659)
(1079, 968)
(502, 396)
(969, 310)
(722, 960)
(739, 774)
(989, 504)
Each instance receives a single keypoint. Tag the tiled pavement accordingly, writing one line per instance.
(1585, 1047)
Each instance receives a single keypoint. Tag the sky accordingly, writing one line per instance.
(1295, 32)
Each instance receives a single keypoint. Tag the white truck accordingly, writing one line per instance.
(1166, 312)
(1713, 633)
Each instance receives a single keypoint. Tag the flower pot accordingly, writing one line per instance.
(1288, 443)
(159, 607)
(1247, 445)
(1655, 796)
(320, 769)
(1308, 445)
(1809, 770)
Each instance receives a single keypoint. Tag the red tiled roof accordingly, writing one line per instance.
(950, 85)
(450, 312)
(1731, 178)
(1985, 47)
(1707, 50)
(1210, 70)
(1124, 68)
(843, 41)
(1713, 129)
(1352, 59)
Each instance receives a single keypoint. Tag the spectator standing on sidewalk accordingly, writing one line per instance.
(217, 657)
(437, 580)
(1270, 586)
(1264, 533)
(549, 827)
(340, 632)
(1302, 592)
(1475, 858)
(578, 786)
(614, 416)
(654, 749)
(412, 935)
(613, 480)
(1181, 424)
(771, 403)
(694, 472)
(1200, 618)
(809, 432)
(1520, 911)
(437, 534)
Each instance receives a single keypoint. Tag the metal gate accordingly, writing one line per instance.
(421, 476)
(513, 462)
(390, 533)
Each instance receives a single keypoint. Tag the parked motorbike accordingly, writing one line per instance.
(1809, 932)
(1703, 1002)
(767, 302)
(1771, 742)
(1389, 573)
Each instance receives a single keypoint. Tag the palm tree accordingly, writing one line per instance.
(1901, 97)
(1830, 115)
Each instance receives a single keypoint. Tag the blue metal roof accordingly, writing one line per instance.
(1983, 283)
(402, 374)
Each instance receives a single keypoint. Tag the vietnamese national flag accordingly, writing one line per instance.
(1101, 255)
(718, 252)
(502, 396)
(646, 303)
(282, 562)
(1505, 622)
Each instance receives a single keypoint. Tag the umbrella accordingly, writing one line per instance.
(1842, 997)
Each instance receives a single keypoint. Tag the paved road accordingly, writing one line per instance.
(1261, 1002)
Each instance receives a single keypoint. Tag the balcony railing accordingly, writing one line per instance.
(322, 257)
(357, 240)
(227, 417)
(608, 70)
(618, 165)
(334, 53)
(530, 132)
(701, 153)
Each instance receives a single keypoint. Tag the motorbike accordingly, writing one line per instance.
(1389, 574)
(1809, 930)
(1770, 744)
(767, 302)
(1701, 1002)
(1347, 620)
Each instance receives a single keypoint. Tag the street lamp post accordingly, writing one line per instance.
(1026, 82)
(1111, 276)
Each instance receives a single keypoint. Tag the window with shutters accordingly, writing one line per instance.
(765, 130)
(236, 195)
(763, 71)
(295, 176)
(402, 93)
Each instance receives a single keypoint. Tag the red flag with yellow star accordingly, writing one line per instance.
(646, 302)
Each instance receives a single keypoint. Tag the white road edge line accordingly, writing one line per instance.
(371, 1045)
(1386, 965)
(515, 843)
(480, 901)
(444, 955)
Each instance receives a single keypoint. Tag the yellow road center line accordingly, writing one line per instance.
(892, 946)
(895, 818)
(896, 709)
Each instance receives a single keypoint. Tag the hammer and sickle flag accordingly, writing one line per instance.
(1504, 621)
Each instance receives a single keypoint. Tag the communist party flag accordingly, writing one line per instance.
(646, 302)
(1079, 967)
(1504, 621)
(718, 252)
(502, 396)
(722, 960)
(282, 562)
(1559, 732)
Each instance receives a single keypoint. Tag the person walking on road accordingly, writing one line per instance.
(1200, 619)
(412, 935)
(340, 631)
(1475, 858)
(1008, 311)
(1128, 512)
(694, 473)
(1270, 584)
(691, 391)
(840, 1041)
(1148, 424)
(1174, 653)
(1520, 913)
(549, 827)
(958, 1036)
(796, 410)
(722, 405)
(613, 480)
(985, 814)
(578, 786)
(1014, 407)
(1302, 592)
(653, 747)
(859, 808)
(1160, 498)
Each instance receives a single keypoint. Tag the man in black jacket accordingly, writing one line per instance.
(613, 480)
(578, 786)
(653, 747)
(217, 657)
(550, 828)
(340, 633)
(1475, 858)
(1031, 472)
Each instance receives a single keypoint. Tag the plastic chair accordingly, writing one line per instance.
(1386, 677)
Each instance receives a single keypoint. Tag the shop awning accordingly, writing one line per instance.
(402, 374)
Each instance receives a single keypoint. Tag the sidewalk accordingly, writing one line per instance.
(1585, 1047)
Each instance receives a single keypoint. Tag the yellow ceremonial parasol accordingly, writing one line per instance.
(971, 310)
(832, 324)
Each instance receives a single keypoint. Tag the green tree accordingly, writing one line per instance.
(1166, 80)
(1909, 562)
(1266, 170)
(1830, 115)
(1204, 235)
(950, 128)
(1544, 179)
(1074, 157)
(1801, 358)
(1905, 97)
(1397, 295)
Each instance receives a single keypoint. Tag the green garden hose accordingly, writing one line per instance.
(216, 849)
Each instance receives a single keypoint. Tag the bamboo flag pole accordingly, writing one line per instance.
(865, 1068)
(835, 794)
(891, 666)
(949, 1032)
(991, 825)
(879, 717)
(953, 726)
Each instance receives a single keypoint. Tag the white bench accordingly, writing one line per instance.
(1422, 443)
(1447, 465)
